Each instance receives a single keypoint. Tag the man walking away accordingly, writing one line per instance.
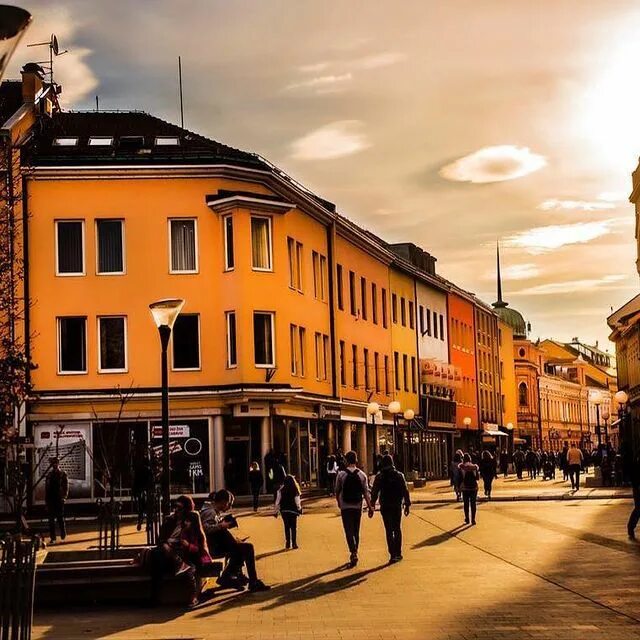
(391, 486)
(469, 487)
(518, 461)
(574, 464)
(56, 491)
(352, 487)
(635, 484)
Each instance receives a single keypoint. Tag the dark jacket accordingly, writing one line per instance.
(391, 487)
(56, 487)
(167, 528)
(488, 468)
(255, 480)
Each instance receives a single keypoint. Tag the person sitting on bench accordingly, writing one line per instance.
(222, 543)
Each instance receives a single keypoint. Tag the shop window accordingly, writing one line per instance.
(184, 258)
(263, 339)
(186, 342)
(72, 345)
(113, 344)
(70, 248)
(261, 248)
(110, 246)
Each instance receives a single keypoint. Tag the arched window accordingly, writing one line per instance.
(522, 394)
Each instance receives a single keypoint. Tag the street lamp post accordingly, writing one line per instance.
(373, 409)
(597, 403)
(626, 448)
(509, 427)
(165, 313)
(409, 414)
(605, 419)
(394, 410)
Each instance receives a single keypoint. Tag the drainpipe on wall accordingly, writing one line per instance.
(331, 235)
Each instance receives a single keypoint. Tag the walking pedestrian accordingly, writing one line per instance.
(635, 485)
(487, 471)
(255, 482)
(289, 506)
(332, 472)
(504, 463)
(518, 462)
(278, 474)
(352, 487)
(56, 492)
(469, 488)
(564, 465)
(574, 465)
(391, 487)
(456, 474)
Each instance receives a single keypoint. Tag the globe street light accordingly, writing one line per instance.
(622, 398)
(605, 419)
(165, 312)
(409, 414)
(394, 410)
(509, 427)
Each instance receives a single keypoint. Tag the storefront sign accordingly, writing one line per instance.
(175, 431)
(251, 409)
(329, 412)
(71, 444)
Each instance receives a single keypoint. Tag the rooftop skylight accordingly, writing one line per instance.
(100, 141)
(65, 142)
(167, 141)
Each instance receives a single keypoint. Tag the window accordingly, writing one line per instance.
(186, 342)
(441, 327)
(65, 142)
(421, 315)
(366, 370)
(319, 276)
(403, 312)
(376, 370)
(72, 345)
(352, 293)
(293, 347)
(299, 265)
(131, 143)
(343, 370)
(340, 287)
(405, 371)
(394, 308)
(263, 339)
(363, 297)
(110, 246)
(112, 356)
(427, 317)
(323, 278)
(411, 317)
(100, 141)
(232, 348)
(261, 243)
(184, 257)
(302, 351)
(374, 303)
(396, 369)
(386, 375)
(414, 381)
(523, 400)
(167, 141)
(294, 250)
(322, 355)
(354, 364)
(384, 308)
(435, 324)
(70, 248)
(229, 257)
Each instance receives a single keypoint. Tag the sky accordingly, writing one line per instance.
(452, 124)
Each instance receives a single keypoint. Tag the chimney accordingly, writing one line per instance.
(32, 81)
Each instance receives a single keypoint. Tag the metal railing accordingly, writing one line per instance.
(108, 525)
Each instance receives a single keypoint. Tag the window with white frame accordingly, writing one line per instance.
(263, 339)
(232, 348)
(261, 249)
(112, 337)
(294, 249)
(110, 235)
(229, 257)
(183, 245)
(186, 342)
(70, 247)
(72, 344)
(322, 355)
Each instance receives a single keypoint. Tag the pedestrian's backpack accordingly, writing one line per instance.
(352, 487)
(469, 481)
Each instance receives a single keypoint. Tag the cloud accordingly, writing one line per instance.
(516, 272)
(71, 70)
(613, 196)
(378, 60)
(321, 82)
(553, 204)
(313, 68)
(333, 140)
(571, 286)
(494, 164)
(543, 239)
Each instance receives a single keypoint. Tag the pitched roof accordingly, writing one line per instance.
(192, 148)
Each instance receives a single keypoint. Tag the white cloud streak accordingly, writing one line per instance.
(571, 286)
(376, 61)
(321, 82)
(543, 239)
(333, 140)
(494, 164)
(554, 204)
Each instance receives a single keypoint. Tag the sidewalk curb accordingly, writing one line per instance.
(537, 498)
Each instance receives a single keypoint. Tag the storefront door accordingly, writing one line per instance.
(236, 466)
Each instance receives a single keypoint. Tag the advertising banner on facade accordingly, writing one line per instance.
(71, 444)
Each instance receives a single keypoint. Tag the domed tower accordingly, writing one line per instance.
(510, 317)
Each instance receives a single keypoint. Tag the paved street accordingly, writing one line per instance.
(548, 569)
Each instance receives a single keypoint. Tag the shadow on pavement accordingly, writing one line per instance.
(439, 538)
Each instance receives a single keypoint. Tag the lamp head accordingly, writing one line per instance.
(409, 414)
(622, 397)
(373, 408)
(166, 311)
(605, 415)
(510, 426)
(394, 407)
(467, 421)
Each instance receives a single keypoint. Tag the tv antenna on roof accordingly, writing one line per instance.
(54, 52)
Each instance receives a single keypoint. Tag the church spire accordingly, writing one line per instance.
(500, 303)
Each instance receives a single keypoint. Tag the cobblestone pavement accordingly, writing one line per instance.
(550, 569)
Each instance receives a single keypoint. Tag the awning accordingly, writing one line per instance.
(494, 432)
